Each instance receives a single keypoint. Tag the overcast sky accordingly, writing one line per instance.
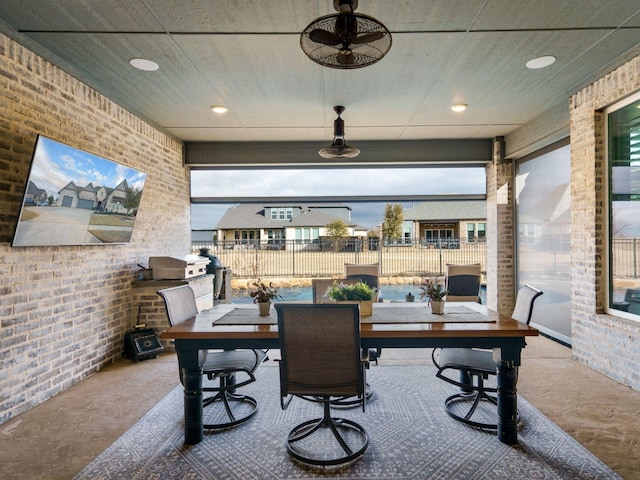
(301, 183)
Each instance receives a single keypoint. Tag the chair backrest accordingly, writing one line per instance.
(180, 303)
(319, 349)
(463, 282)
(366, 272)
(524, 304)
(319, 286)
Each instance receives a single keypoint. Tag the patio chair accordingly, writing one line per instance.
(475, 366)
(225, 366)
(319, 287)
(463, 282)
(340, 373)
(369, 273)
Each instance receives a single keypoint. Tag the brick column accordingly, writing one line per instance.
(500, 231)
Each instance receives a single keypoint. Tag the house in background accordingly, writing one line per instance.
(446, 222)
(278, 225)
(35, 195)
(103, 199)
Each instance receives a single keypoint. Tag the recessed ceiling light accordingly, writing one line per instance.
(219, 108)
(459, 107)
(144, 64)
(541, 62)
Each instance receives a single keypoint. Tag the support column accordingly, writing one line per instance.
(500, 231)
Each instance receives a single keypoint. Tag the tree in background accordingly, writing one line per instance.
(336, 229)
(392, 223)
(132, 198)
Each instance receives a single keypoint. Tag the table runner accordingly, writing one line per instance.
(414, 314)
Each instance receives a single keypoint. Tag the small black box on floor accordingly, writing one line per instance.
(141, 344)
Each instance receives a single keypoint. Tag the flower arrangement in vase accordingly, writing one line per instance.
(354, 292)
(262, 294)
(435, 290)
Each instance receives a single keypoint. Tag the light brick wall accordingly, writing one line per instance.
(500, 232)
(64, 310)
(606, 343)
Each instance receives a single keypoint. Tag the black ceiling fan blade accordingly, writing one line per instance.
(368, 37)
(325, 37)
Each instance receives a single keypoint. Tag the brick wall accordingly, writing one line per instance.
(64, 310)
(500, 232)
(606, 343)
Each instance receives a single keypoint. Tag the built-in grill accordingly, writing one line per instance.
(171, 268)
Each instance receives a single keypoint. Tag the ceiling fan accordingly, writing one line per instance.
(345, 40)
(339, 147)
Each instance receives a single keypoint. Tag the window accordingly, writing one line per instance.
(307, 235)
(482, 232)
(476, 232)
(406, 234)
(246, 236)
(471, 232)
(623, 153)
(281, 213)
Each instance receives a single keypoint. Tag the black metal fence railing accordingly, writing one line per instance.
(626, 258)
(285, 258)
(291, 258)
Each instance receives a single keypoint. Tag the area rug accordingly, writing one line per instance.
(411, 437)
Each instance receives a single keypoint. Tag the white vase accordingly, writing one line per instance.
(264, 308)
(437, 307)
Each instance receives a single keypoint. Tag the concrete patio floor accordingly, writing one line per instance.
(56, 439)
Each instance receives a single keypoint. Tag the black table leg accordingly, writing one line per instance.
(189, 361)
(507, 396)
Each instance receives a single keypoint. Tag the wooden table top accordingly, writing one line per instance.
(203, 326)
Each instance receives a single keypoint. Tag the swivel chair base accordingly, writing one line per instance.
(474, 398)
(345, 440)
(238, 408)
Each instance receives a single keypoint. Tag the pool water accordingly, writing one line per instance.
(294, 294)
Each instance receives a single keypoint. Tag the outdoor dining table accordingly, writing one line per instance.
(392, 325)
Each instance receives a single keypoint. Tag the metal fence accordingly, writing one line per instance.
(254, 258)
(626, 258)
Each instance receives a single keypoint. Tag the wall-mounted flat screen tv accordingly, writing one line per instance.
(73, 197)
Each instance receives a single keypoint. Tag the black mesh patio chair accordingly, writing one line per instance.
(232, 369)
(475, 366)
(319, 287)
(463, 282)
(333, 329)
(368, 273)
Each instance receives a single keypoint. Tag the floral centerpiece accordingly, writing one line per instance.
(434, 289)
(353, 292)
(262, 294)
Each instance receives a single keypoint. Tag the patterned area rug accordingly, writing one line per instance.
(411, 437)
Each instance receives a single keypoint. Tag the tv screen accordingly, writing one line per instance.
(73, 197)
